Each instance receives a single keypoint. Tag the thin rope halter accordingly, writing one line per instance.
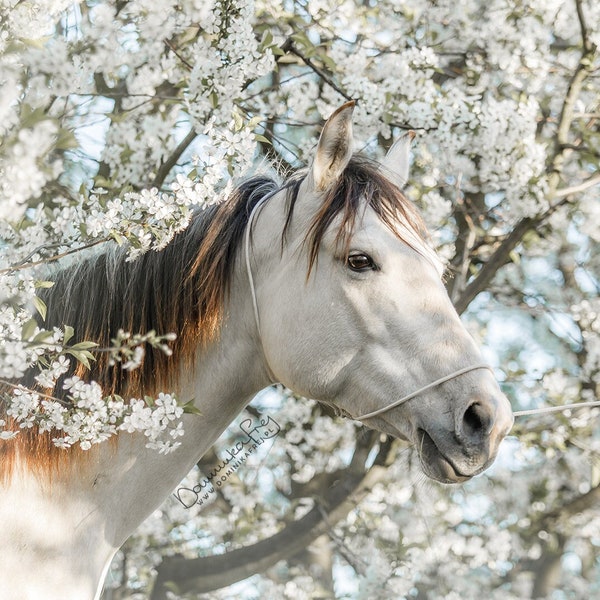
(425, 388)
(247, 235)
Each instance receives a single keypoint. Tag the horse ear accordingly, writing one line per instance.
(334, 149)
(396, 161)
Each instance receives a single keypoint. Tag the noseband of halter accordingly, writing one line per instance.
(273, 379)
(425, 388)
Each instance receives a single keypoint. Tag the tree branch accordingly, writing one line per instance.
(544, 567)
(583, 70)
(465, 241)
(28, 265)
(209, 573)
(575, 189)
(498, 259)
(502, 254)
(577, 505)
(166, 167)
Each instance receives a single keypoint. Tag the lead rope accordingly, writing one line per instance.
(273, 379)
(248, 231)
(553, 409)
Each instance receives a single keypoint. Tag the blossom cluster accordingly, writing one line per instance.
(85, 417)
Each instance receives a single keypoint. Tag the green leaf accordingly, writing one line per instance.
(37, 42)
(302, 39)
(328, 62)
(254, 121)
(117, 237)
(83, 346)
(40, 306)
(84, 357)
(595, 480)
(42, 336)
(261, 138)
(43, 284)
(28, 329)
(66, 140)
(267, 39)
(238, 122)
(69, 333)
(32, 116)
(189, 408)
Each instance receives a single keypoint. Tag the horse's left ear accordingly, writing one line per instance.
(334, 149)
(396, 161)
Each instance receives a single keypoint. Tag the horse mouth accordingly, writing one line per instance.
(435, 464)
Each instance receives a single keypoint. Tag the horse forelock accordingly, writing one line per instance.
(180, 289)
(363, 183)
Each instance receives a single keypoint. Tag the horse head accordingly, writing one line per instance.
(354, 313)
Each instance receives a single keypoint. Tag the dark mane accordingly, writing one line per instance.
(182, 289)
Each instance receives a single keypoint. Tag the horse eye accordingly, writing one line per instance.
(361, 262)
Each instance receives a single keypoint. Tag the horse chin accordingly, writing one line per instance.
(434, 464)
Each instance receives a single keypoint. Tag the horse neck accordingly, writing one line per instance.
(59, 536)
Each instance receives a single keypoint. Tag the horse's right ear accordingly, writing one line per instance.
(334, 149)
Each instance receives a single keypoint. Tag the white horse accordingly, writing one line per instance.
(325, 284)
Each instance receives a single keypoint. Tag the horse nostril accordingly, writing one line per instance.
(478, 420)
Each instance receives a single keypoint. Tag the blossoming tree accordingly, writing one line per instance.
(117, 120)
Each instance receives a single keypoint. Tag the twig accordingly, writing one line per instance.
(37, 250)
(358, 563)
(17, 386)
(25, 265)
(288, 46)
(588, 183)
(582, 149)
(174, 50)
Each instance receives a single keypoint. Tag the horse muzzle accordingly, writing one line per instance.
(454, 456)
